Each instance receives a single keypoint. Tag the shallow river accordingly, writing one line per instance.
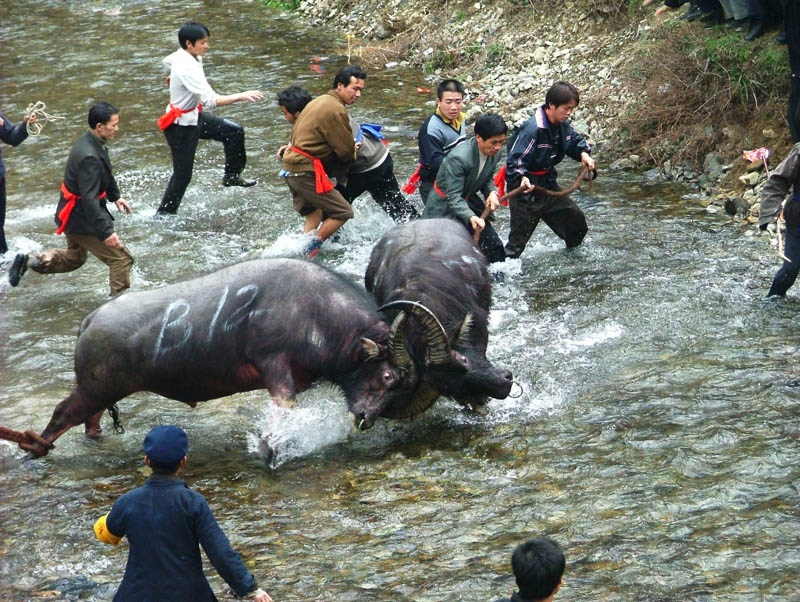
(656, 437)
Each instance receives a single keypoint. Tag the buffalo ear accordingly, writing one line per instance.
(372, 351)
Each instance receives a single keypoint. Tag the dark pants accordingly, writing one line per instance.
(794, 108)
(182, 140)
(382, 185)
(786, 276)
(3, 244)
(563, 216)
(490, 244)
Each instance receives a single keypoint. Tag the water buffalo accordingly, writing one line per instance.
(441, 350)
(278, 324)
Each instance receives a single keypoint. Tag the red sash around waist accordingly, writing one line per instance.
(168, 118)
(323, 182)
(66, 210)
(413, 182)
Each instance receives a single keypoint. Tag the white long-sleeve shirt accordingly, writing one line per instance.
(188, 86)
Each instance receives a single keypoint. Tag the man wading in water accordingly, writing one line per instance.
(187, 119)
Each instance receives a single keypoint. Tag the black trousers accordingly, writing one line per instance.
(382, 185)
(490, 244)
(563, 216)
(3, 244)
(786, 276)
(182, 140)
(794, 107)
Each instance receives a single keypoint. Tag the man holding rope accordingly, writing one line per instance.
(82, 214)
(466, 171)
(533, 152)
(13, 135)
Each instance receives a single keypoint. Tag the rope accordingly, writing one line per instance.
(37, 110)
(28, 438)
(584, 171)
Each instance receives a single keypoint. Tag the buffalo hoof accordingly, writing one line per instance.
(267, 452)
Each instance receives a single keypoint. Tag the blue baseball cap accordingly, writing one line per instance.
(166, 445)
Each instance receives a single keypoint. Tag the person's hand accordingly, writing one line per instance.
(282, 150)
(261, 596)
(587, 160)
(527, 187)
(358, 145)
(251, 95)
(27, 119)
(113, 241)
(477, 223)
(492, 202)
(167, 80)
(123, 205)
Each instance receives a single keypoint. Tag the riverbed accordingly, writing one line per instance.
(656, 436)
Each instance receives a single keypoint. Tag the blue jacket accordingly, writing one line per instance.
(10, 134)
(435, 139)
(164, 522)
(539, 146)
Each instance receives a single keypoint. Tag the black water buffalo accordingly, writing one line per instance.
(278, 324)
(441, 350)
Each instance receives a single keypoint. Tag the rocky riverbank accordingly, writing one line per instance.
(509, 52)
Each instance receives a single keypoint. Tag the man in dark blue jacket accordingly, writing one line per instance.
(792, 25)
(13, 135)
(533, 153)
(165, 523)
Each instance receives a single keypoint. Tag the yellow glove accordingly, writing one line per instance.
(102, 532)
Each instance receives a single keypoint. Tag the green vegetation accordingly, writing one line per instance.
(281, 4)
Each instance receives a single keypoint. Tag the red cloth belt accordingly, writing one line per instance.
(168, 118)
(66, 210)
(413, 182)
(437, 189)
(323, 182)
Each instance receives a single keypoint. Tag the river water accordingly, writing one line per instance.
(656, 437)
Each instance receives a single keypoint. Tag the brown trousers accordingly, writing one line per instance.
(58, 261)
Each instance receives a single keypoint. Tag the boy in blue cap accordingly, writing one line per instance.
(165, 521)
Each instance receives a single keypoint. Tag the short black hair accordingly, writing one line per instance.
(538, 567)
(346, 73)
(489, 125)
(191, 31)
(164, 468)
(101, 112)
(294, 99)
(562, 93)
(449, 85)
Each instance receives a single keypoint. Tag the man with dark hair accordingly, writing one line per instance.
(466, 171)
(323, 145)
(187, 119)
(534, 150)
(538, 569)
(82, 214)
(440, 133)
(13, 135)
(164, 522)
(373, 169)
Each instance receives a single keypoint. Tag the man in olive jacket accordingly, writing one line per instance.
(82, 214)
(467, 170)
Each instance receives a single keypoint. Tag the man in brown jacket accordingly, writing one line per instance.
(323, 145)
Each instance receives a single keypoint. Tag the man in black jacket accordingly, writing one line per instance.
(82, 214)
(792, 24)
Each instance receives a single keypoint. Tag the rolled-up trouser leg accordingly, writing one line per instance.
(60, 261)
(119, 261)
(787, 274)
(231, 134)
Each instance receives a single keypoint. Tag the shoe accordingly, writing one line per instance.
(238, 180)
(736, 24)
(781, 37)
(18, 269)
(692, 14)
(312, 248)
(711, 16)
(756, 30)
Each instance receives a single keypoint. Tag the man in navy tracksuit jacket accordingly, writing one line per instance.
(533, 152)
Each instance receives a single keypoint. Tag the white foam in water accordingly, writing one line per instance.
(300, 431)
(288, 243)
(594, 336)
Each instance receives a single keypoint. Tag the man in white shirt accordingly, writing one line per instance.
(187, 119)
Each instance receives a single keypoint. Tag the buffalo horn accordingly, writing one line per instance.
(397, 343)
(424, 397)
(465, 330)
(438, 346)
